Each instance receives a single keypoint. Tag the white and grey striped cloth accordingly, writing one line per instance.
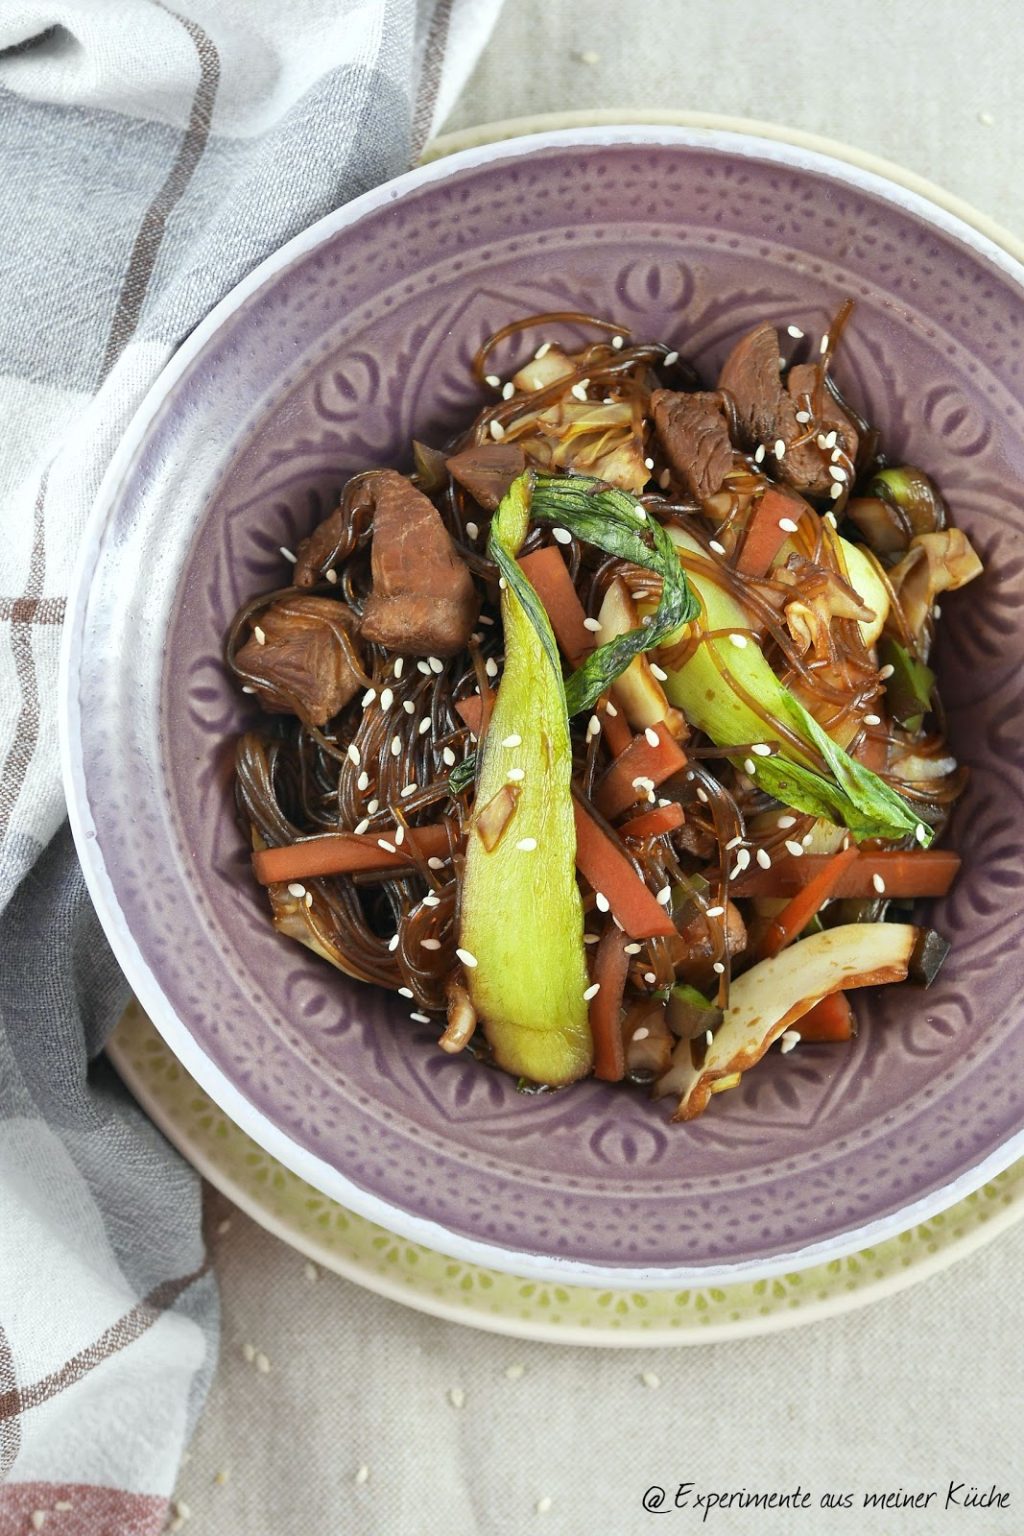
(149, 158)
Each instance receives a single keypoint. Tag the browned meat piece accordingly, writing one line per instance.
(305, 663)
(487, 471)
(766, 407)
(423, 601)
(806, 468)
(693, 431)
(751, 375)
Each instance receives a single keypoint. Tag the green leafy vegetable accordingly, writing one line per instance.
(908, 692)
(614, 521)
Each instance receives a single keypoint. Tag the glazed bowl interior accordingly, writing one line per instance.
(331, 359)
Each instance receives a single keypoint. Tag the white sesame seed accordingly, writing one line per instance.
(308, 898)
(650, 1379)
(404, 992)
(837, 455)
(393, 942)
(719, 549)
(436, 665)
(808, 839)
(830, 518)
(247, 689)
(396, 745)
(382, 842)
(648, 463)
(617, 342)
(260, 635)
(733, 842)
(653, 739)
(363, 781)
(793, 847)
(759, 454)
(289, 556)
(803, 417)
(353, 754)
(702, 795)
(879, 884)
(372, 807)
(786, 821)
(832, 439)
(715, 912)
(467, 958)
(823, 344)
(508, 390)
(658, 672)
(262, 1363)
(603, 904)
(650, 979)
(611, 710)
(579, 391)
(764, 858)
(430, 900)
(448, 757)
(387, 698)
(407, 790)
(543, 1505)
(670, 358)
(643, 1034)
(492, 379)
(762, 748)
(709, 1038)
(332, 577)
(739, 641)
(491, 667)
(743, 858)
(361, 827)
(591, 991)
(787, 525)
(632, 949)
(718, 968)
(434, 863)
(921, 832)
(516, 775)
(790, 1039)
(526, 844)
(665, 479)
(795, 332)
(368, 697)
(562, 535)
(473, 530)
(780, 448)
(835, 490)
(749, 766)
(886, 671)
(430, 944)
(664, 896)
(457, 1397)
(593, 625)
(512, 741)
(362, 1475)
(936, 611)
(420, 1018)
(872, 719)
(424, 726)
(409, 706)
(421, 666)
(838, 473)
(497, 431)
(399, 666)
(593, 726)
(296, 890)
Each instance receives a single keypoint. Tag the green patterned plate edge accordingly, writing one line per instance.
(358, 1249)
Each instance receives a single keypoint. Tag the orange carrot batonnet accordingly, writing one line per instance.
(549, 577)
(611, 968)
(642, 760)
(919, 872)
(343, 853)
(795, 916)
(664, 818)
(830, 1019)
(608, 871)
(765, 536)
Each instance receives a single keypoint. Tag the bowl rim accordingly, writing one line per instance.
(977, 233)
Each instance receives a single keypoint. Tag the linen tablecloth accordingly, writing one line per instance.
(353, 1427)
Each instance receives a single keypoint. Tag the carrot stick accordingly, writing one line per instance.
(764, 536)
(611, 967)
(664, 818)
(472, 710)
(921, 872)
(341, 853)
(549, 576)
(610, 872)
(617, 733)
(617, 792)
(830, 1019)
(794, 917)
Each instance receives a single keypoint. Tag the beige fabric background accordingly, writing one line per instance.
(912, 1392)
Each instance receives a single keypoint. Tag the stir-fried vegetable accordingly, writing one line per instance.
(521, 921)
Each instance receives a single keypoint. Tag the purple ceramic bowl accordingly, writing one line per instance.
(328, 359)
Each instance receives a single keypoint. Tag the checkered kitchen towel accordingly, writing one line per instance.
(149, 157)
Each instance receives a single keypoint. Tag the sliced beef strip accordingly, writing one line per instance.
(766, 406)
(806, 468)
(423, 601)
(751, 375)
(486, 471)
(304, 664)
(693, 431)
